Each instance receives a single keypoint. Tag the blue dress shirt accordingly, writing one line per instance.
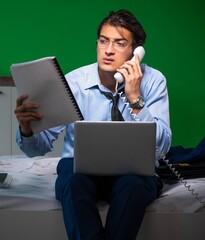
(85, 84)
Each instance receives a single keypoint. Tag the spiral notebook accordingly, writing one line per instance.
(44, 82)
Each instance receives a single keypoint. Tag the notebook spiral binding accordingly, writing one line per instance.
(70, 94)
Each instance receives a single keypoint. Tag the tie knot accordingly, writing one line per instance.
(110, 96)
(115, 99)
(115, 113)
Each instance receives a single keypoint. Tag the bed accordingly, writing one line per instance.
(29, 210)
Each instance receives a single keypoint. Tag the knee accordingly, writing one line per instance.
(80, 183)
(65, 164)
(61, 184)
(72, 184)
(75, 182)
(137, 185)
(131, 182)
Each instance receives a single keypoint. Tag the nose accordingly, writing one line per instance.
(110, 47)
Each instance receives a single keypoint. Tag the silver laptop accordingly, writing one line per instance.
(114, 148)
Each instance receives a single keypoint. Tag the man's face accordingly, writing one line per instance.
(114, 48)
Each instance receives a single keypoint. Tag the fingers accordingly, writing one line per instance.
(26, 107)
(133, 70)
(134, 67)
(20, 99)
(26, 112)
(137, 65)
(22, 106)
(26, 117)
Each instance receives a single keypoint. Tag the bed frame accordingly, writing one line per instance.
(48, 225)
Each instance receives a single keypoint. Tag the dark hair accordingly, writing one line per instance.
(124, 18)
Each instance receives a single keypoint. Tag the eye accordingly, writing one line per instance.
(121, 44)
(103, 41)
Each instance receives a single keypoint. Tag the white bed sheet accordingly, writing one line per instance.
(33, 188)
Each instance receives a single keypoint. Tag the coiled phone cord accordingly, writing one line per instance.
(168, 164)
(124, 99)
(181, 179)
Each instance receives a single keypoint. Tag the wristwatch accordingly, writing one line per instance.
(139, 104)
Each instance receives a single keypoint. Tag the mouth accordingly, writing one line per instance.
(108, 60)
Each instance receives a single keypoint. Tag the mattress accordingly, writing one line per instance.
(32, 193)
(33, 183)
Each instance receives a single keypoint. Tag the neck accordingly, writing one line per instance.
(108, 80)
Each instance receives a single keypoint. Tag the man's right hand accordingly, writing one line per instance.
(25, 114)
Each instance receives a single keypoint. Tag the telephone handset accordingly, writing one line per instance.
(141, 52)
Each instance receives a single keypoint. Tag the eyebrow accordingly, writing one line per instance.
(117, 39)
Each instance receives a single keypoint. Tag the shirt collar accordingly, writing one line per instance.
(93, 79)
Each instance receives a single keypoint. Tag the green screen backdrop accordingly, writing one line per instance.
(67, 29)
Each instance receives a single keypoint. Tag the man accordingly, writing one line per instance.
(128, 196)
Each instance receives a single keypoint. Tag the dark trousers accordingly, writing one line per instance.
(127, 195)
